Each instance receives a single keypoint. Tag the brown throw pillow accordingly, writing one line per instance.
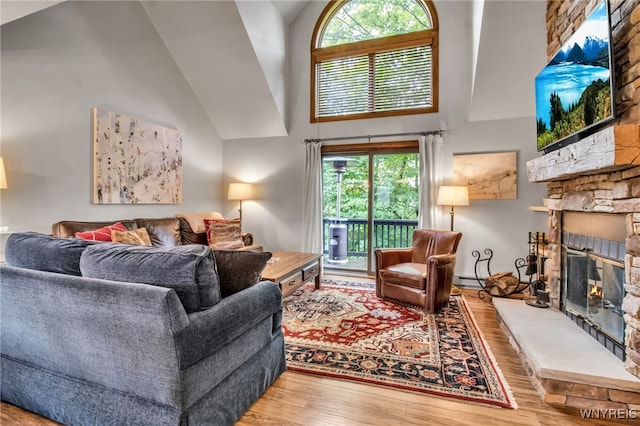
(139, 237)
(224, 234)
(239, 269)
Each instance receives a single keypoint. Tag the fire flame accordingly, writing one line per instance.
(595, 292)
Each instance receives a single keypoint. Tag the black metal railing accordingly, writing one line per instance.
(386, 233)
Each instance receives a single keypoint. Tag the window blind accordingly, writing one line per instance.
(383, 81)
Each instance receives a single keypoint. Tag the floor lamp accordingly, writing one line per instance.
(239, 192)
(453, 196)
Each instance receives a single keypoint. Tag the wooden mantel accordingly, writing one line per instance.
(613, 148)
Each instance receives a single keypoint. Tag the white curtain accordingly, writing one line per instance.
(430, 150)
(312, 208)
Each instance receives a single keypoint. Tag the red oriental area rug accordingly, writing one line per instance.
(345, 331)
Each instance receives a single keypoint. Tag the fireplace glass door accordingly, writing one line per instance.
(594, 289)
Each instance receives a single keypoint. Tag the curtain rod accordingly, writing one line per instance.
(343, 138)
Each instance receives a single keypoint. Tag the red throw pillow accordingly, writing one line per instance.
(224, 233)
(102, 234)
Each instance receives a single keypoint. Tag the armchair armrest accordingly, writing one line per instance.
(440, 271)
(387, 257)
(392, 256)
(442, 259)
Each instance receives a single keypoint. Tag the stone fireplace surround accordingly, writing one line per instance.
(616, 192)
(599, 173)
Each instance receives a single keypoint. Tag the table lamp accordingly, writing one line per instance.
(240, 191)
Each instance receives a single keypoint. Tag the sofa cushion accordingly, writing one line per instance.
(239, 269)
(224, 234)
(139, 237)
(407, 274)
(196, 220)
(101, 234)
(189, 270)
(32, 250)
(189, 236)
(68, 228)
(162, 231)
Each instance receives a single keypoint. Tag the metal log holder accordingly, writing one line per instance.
(481, 260)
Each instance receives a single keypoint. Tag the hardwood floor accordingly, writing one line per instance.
(301, 399)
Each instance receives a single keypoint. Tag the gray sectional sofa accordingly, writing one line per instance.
(113, 334)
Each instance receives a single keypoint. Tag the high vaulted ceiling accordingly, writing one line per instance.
(10, 10)
(233, 55)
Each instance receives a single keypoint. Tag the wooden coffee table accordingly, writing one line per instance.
(290, 270)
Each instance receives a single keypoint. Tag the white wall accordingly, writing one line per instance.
(277, 164)
(59, 63)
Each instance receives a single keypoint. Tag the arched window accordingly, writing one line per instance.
(374, 58)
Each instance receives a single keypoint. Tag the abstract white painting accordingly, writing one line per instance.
(134, 161)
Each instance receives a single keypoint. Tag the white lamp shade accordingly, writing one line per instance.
(240, 191)
(453, 196)
(3, 176)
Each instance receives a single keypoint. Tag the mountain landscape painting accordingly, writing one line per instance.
(573, 92)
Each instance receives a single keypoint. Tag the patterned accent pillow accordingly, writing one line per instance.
(224, 234)
(102, 234)
(139, 237)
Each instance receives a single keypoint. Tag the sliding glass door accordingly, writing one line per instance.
(370, 200)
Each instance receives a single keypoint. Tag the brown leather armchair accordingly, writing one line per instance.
(422, 274)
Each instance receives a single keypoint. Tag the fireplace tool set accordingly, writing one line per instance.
(505, 284)
(535, 266)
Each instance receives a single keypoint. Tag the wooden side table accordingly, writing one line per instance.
(290, 270)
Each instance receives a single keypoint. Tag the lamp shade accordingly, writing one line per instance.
(3, 176)
(240, 191)
(453, 196)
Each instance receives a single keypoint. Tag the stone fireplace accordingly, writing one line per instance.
(616, 193)
(593, 254)
(600, 174)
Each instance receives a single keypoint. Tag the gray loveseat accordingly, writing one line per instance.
(85, 350)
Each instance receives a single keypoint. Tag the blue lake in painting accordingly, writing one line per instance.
(568, 80)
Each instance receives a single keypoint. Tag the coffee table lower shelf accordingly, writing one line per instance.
(290, 270)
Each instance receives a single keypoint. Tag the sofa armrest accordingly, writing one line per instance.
(247, 237)
(210, 330)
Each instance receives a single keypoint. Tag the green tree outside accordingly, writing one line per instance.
(395, 195)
